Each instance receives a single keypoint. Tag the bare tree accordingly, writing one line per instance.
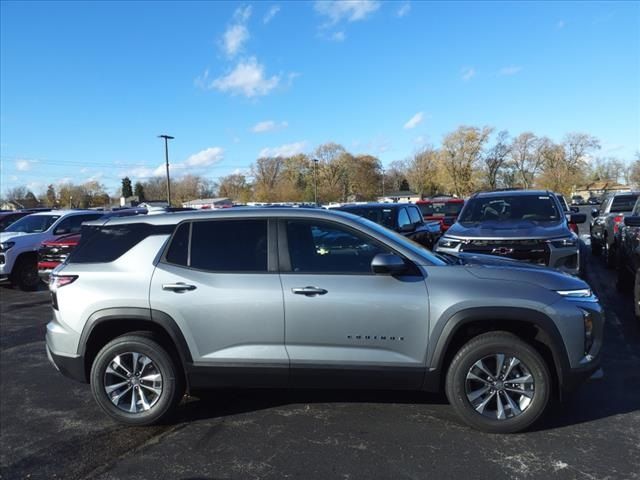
(461, 153)
(496, 158)
(527, 156)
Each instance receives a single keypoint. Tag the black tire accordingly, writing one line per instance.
(486, 346)
(25, 274)
(596, 247)
(172, 383)
(636, 295)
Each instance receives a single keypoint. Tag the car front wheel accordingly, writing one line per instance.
(497, 383)
(26, 274)
(135, 380)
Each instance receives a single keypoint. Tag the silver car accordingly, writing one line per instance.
(146, 309)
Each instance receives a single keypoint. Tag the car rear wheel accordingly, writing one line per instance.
(136, 381)
(499, 384)
(26, 274)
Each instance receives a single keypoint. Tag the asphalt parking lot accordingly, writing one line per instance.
(51, 428)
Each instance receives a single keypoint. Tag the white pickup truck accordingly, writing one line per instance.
(20, 242)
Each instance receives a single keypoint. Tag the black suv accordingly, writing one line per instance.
(404, 218)
(628, 255)
(528, 225)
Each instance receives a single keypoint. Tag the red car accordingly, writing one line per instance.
(444, 209)
(53, 252)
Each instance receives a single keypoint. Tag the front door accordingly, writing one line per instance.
(344, 325)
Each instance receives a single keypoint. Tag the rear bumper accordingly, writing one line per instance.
(72, 367)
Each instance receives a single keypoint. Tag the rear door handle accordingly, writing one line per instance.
(178, 287)
(309, 291)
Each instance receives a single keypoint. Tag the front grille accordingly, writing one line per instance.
(54, 253)
(1, 258)
(531, 251)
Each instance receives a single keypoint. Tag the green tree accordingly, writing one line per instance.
(126, 187)
(138, 191)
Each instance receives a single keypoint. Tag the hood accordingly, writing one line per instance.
(488, 267)
(521, 229)
(6, 236)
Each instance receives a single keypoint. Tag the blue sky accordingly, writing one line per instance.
(87, 87)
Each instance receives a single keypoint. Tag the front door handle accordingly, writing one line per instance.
(178, 287)
(309, 291)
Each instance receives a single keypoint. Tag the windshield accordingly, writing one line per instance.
(440, 209)
(534, 208)
(33, 224)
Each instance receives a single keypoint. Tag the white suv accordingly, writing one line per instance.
(19, 243)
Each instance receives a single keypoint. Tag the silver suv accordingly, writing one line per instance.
(146, 309)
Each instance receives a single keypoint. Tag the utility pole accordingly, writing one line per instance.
(166, 161)
(315, 180)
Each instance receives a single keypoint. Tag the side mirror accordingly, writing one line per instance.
(408, 228)
(632, 221)
(574, 209)
(577, 218)
(594, 212)
(388, 263)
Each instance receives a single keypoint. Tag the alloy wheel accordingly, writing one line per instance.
(133, 382)
(499, 386)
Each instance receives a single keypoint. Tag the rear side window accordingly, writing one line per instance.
(623, 203)
(229, 245)
(179, 249)
(106, 244)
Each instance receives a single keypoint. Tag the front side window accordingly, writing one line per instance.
(229, 245)
(319, 247)
(414, 215)
(403, 218)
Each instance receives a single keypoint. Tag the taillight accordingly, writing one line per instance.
(617, 220)
(57, 281)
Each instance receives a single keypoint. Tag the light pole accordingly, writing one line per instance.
(166, 161)
(383, 183)
(315, 180)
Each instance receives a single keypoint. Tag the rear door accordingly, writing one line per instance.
(345, 326)
(218, 280)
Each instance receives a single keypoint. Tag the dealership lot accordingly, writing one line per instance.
(50, 426)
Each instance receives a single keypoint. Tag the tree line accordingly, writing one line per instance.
(468, 159)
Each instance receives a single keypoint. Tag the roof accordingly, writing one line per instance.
(361, 206)
(65, 212)
(442, 200)
(205, 201)
(248, 212)
(511, 193)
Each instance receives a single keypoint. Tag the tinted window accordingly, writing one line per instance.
(403, 218)
(229, 245)
(179, 248)
(414, 215)
(534, 208)
(33, 224)
(319, 247)
(106, 244)
(623, 203)
(381, 216)
(440, 209)
(72, 224)
(8, 219)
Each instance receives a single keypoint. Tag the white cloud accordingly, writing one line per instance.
(286, 150)
(414, 121)
(560, 24)
(404, 9)
(339, 36)
(272, 12)
(268, 126)
(349, 10)
(468, 73)
(242, 14)
(23, 165)
(13, 178)
(233, 39)
(247, 78)
(205, 158)
(510, 70)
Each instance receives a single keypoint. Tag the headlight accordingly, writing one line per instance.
(4, 246)
(445, 242)
(564, 242)
(580, 293)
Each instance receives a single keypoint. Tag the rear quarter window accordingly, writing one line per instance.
(107, 243)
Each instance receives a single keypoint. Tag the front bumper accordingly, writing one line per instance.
(574, 377)
(44, 274)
